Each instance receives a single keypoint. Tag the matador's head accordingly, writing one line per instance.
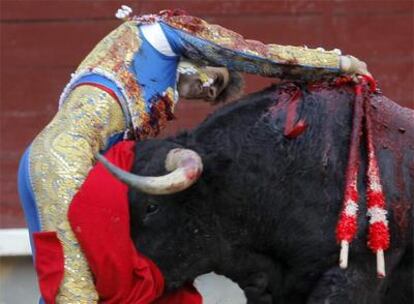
(195, 80)
(213, 84)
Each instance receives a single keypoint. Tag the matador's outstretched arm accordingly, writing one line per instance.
(215, 45)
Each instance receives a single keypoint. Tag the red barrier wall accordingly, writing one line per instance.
(42, 42)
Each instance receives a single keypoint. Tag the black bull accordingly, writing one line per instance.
(265, 208)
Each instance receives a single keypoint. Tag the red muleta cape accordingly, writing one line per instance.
(99, 217)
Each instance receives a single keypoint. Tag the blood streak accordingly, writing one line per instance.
(289, 99)
(293, 129)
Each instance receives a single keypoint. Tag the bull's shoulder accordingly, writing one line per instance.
(393, 124)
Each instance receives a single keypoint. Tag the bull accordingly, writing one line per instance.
(264, 209)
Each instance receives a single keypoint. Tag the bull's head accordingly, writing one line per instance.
(169, 217)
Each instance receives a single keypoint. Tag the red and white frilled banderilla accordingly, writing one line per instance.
(378, 232)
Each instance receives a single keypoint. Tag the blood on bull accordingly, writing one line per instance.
(267, 207)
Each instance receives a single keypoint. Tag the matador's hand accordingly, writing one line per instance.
(353, 66)
(358, 70)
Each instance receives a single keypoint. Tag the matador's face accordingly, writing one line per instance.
(194, 86)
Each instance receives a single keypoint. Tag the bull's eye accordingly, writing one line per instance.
(152, 208)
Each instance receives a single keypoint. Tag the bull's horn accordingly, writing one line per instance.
(185, 167)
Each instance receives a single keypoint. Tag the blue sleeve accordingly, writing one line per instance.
(280, 61)
(174, 38)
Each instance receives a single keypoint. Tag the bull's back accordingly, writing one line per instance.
(393, 132)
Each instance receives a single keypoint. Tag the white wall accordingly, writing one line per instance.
(18, 284)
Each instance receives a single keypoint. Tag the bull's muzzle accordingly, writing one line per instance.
(185, 167)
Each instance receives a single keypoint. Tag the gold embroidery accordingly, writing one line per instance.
(113, 56)
(60, 159)
(116, 51)
(305, 57)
